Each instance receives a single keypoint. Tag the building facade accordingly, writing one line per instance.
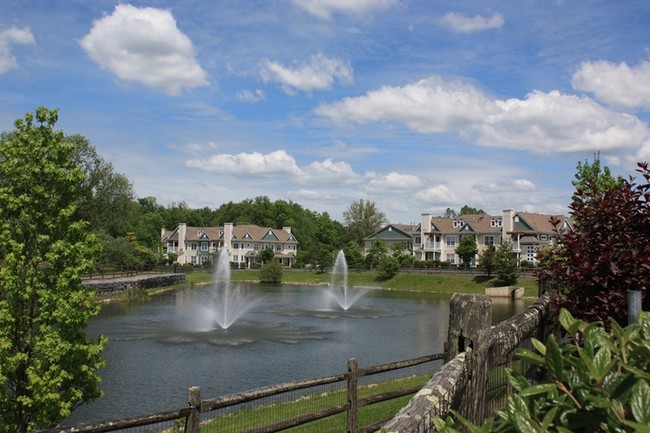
(196, 245)
(436, 238)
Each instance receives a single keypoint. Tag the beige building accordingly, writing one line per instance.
(195, 245)
(436, 238)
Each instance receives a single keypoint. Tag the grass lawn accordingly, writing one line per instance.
(445, 283)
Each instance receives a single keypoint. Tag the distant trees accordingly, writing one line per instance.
(361, 219)
(47, 364)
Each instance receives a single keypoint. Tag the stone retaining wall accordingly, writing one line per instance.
(149, 281)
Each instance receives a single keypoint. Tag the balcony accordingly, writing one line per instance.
(431, 246)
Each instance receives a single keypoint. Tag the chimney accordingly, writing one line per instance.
(287, 229)
(182, 232)
(425, 224)
(227, 235)
(508, 224)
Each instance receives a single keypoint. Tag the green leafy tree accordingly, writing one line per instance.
(467, 249)
(267, 255)
(376, 252)
(449, 213)
(362, 218)
(353, 255)
(47, 364)
(505, 264)
(487, 259)
(468, 210)
(591, 179)
(387, 267)
(271, 272)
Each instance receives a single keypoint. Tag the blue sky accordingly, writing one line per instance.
(416, 105)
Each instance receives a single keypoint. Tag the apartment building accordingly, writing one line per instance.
(436, 238)
(195, 245)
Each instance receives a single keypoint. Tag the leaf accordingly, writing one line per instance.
(539, 346)
(517, 380)
(638, 428)
(530, 356)
(553, 358)
(568, 322)
(602, 364)
(549, 418)
(523, 424)
(538, 389)
(640, 402)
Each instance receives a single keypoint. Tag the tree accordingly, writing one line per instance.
(591, 179)
(505, 264)
(486, 259)
(468, 210)
(388, 267)
(271, 272)
(107, 196)
(353, 255)
(449, 213)
(267, 255)
(467, 249)
(376, 252)
(47, 364)
(362, 218)
(607, 251)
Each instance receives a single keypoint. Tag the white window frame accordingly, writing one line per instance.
(450, 240)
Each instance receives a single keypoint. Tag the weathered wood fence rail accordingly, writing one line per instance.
(469, 381)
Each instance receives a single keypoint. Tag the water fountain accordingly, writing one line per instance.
(339, 290)
(225, 303)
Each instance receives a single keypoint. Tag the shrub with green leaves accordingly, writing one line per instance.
(599, 381)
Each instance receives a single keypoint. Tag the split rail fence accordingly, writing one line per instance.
(471, 381)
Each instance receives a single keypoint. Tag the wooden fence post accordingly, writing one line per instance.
(470, 320)
(352, 395)
(194, 419)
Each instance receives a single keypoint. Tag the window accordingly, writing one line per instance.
(488, 240)
(193, 260)
(278, 247)
(204, 246)
(193, 246)
(451, 240)
(418, 240)
(235, 246)
(543, 237)
(451, 258)
(256, 247)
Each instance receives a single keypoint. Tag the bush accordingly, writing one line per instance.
(387, 268)
(606, 253)
(271, 272)
(600, 381)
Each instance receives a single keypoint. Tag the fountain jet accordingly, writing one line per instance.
(339, 289)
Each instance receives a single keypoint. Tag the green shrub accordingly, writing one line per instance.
(271, 272)
(599, 381)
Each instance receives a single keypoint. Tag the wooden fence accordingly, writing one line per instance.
(471, 381)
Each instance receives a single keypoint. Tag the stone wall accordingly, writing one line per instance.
(148, 281)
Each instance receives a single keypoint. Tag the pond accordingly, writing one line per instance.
(157, 349)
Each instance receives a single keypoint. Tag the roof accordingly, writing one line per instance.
(244, 232)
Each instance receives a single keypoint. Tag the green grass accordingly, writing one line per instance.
(426, 283)
(247, 418)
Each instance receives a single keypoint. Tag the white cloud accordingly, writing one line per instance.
(328, 171)
(557, 123)
(395, 181)
(246, 164)
(318, 73)
(324, 9)
(429, 105)
(13, 35)
(250, 96)
(542, 122)
(144, 45)
(437, 195)
(460, 23)
(505, 185)
(618, 85)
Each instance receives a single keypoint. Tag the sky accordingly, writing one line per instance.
(416, 105)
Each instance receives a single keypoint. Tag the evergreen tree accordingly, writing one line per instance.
(505, 264)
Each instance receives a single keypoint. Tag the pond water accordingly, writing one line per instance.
(157, 349)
